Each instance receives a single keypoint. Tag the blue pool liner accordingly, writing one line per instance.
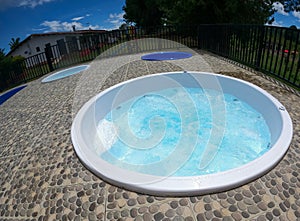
(167, 55)
(4, 97)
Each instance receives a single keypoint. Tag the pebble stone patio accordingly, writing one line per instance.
(41, 178)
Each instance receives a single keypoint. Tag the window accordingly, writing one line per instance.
(38, 49)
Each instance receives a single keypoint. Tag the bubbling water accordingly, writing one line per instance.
(146, 129)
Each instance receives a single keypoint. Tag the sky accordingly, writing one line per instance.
(21, 18)
(284, 19)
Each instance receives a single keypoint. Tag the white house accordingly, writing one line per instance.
(66, 42)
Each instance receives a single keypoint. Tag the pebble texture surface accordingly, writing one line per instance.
(41, 178)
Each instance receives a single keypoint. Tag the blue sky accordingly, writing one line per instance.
(284, 19)
(20, 18)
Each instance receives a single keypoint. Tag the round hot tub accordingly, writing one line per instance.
(208, 141)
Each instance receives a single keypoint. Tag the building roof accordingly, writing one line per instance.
(79, 32)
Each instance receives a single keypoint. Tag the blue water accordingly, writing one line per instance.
(65, 73)
(183, 132)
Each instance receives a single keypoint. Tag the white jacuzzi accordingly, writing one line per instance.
(84, 130)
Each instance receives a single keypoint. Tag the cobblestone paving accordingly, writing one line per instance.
(41, 177)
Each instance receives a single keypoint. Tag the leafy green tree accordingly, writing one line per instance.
(156, 12)
(144, 13)
(291, 5)
(2, 53)
(217, 11)
(123, 26)
(14, 43)
(9, 65)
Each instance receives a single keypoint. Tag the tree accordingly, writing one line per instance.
(2, 53)
(123, 26)
(144, 13)
(217, 11)
(8, 65)
(14, 43)
(291, 5)
(153, 12)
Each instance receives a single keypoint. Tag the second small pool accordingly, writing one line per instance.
(65, 73)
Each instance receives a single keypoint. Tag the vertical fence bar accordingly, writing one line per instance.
(290, 35)
(279, 74)
(273, 51)
(240, 44)
(297, 72)
(32, 69)
(49, 57)
(235, 44)
(248, 56)
(253, 46)
(278, 50)
(231, 42)
(265, 37)
(269, 46)
(244, 41)
(259, 48)
(294, 56)
(41, 71)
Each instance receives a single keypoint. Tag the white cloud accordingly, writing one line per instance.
(52, 25)
(34, 3)
(296, 14)
(22, 3)
(276, 23)
(57, 26)
(67, 26)
(39, 29)
(116, 20)
(278, 7)
(77, 18)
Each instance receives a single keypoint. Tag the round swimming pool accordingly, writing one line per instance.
(65, 73)
(91, 149)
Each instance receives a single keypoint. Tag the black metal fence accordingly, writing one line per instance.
(271, 50)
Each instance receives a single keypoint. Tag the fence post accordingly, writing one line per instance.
(198, 37)
(49, 56)
(260, 47)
